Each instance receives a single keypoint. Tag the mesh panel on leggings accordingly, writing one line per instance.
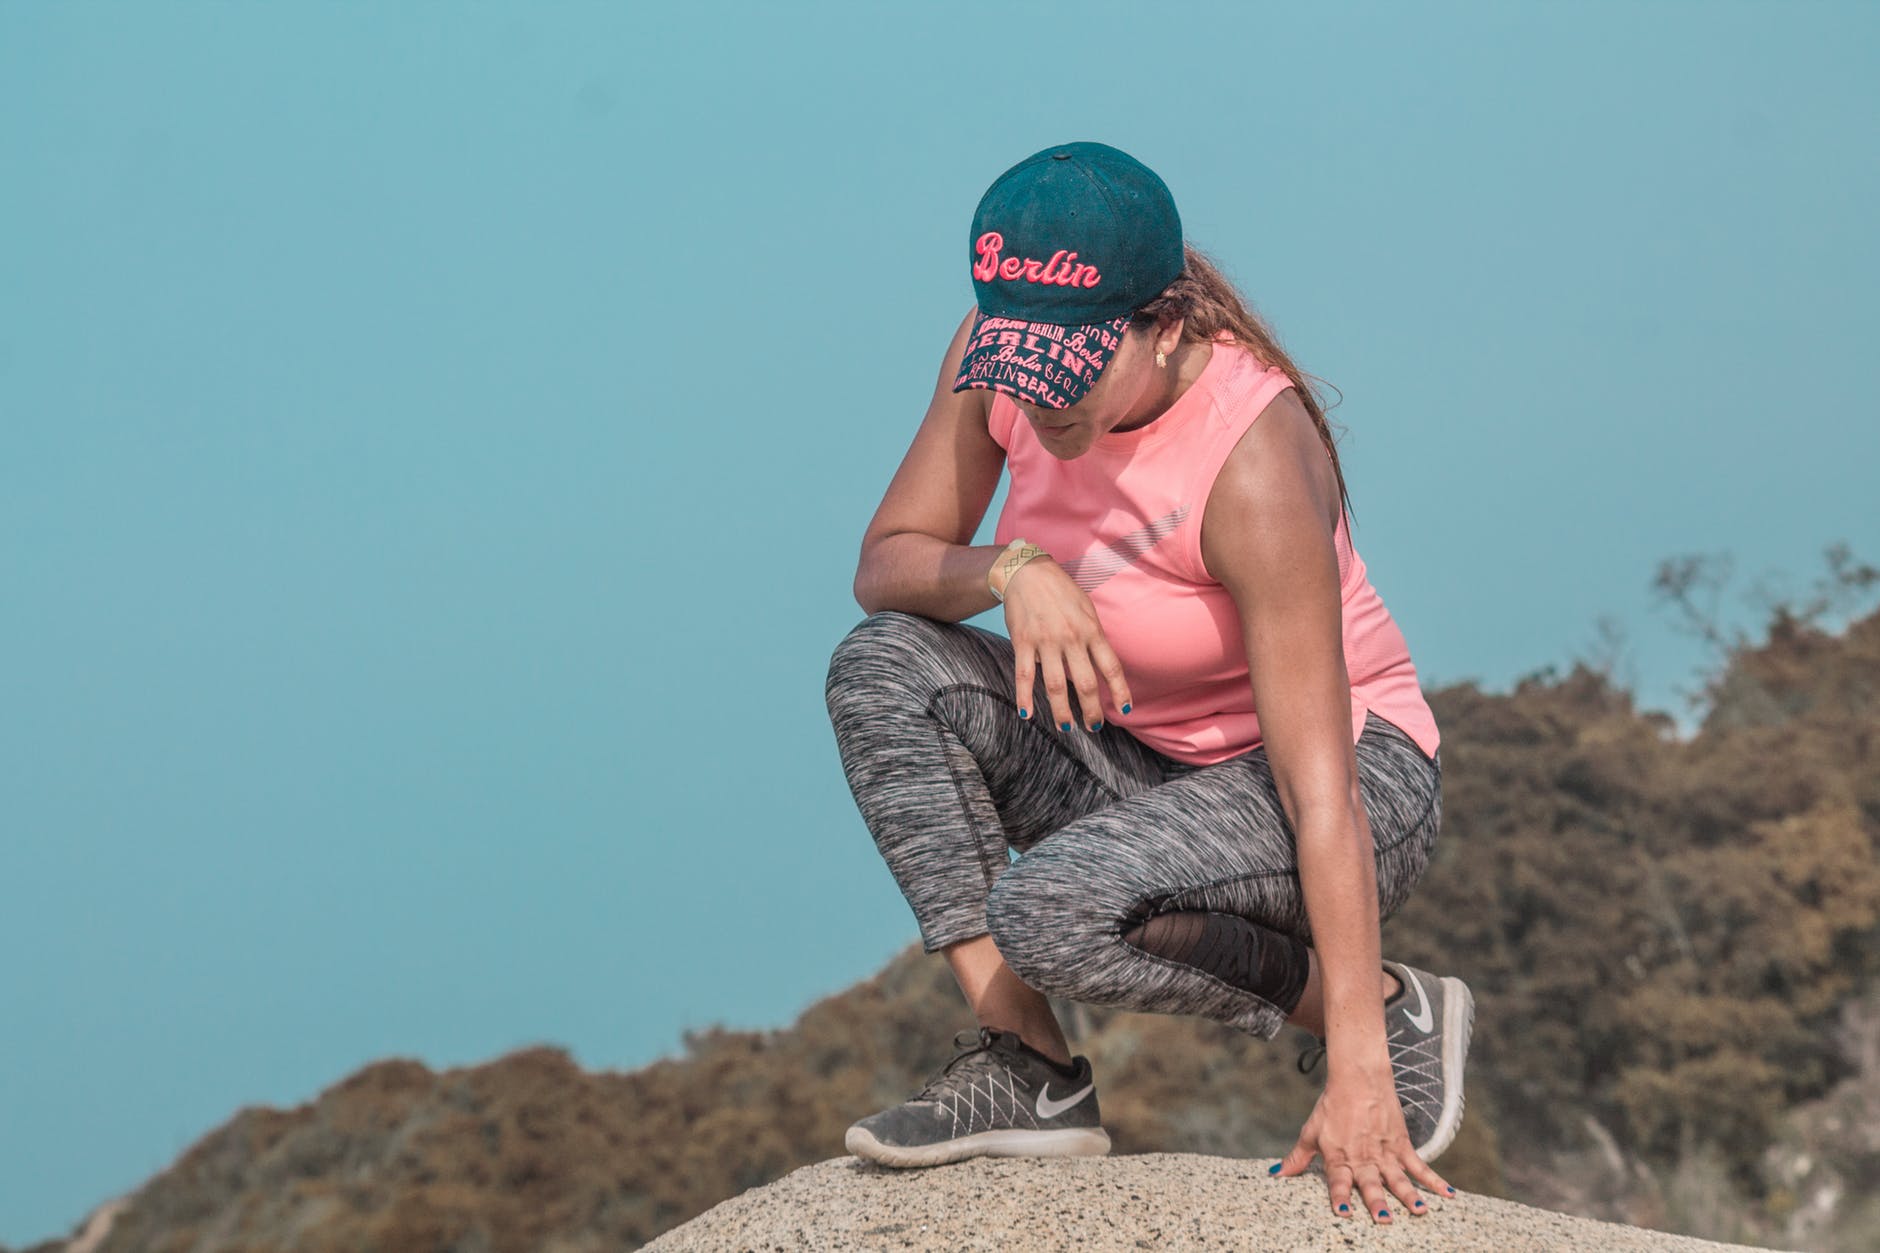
(1241, 954)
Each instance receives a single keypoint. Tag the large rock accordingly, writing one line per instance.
(1151, 1201)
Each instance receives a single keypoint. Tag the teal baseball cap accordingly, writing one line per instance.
(1066, 246)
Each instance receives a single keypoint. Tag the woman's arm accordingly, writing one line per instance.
(1268, 536)
(917, 553)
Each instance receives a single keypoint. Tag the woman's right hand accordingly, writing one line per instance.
(1053, 627)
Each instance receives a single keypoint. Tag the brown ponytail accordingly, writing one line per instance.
(1210, 304)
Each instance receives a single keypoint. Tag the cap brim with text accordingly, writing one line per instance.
(1065, 247)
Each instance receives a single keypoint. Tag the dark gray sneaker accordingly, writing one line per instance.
(995, 1098)
(1426, 1028)
(1428, 1024)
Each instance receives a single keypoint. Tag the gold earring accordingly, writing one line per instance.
(1160, 360)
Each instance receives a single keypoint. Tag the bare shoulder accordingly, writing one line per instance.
(1277, 478)
(974, 400)
(951, 470)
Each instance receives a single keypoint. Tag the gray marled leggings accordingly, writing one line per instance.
(948, 778)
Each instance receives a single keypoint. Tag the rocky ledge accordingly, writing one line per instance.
(1151, 1201)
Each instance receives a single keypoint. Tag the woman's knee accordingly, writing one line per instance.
(879, 647)
(1042, 927)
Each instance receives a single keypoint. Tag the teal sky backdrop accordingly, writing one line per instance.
(435, 442)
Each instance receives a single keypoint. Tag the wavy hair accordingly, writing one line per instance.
(1210, 303)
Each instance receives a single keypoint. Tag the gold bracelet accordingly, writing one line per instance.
(1016, 554)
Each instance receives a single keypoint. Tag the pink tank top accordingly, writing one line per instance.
(1124, 520)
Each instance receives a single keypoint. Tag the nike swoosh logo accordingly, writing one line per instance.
(1099, 565)
(1422, 1020)
(1048, 1108)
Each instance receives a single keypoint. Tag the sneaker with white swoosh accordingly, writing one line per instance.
(997, 1097)
(1427, 1026)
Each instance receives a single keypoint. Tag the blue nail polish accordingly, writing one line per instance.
(1274, 1168)
(1125, 706)
(1383, 1213)
(1024, 713)
(1343, 1208)
(1064, 726)
(1418, 1205)
(1449, 1190)
(1097, 725)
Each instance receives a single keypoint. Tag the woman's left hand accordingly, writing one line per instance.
(1358, 1128)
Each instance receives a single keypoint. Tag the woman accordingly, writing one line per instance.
(1167, 563)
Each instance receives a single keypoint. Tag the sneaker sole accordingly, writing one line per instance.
(1458, 1023)
(1066, 1142)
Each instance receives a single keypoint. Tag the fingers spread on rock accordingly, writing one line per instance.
(1425, 1174)
(1404, 1190)
(1376, 1199)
